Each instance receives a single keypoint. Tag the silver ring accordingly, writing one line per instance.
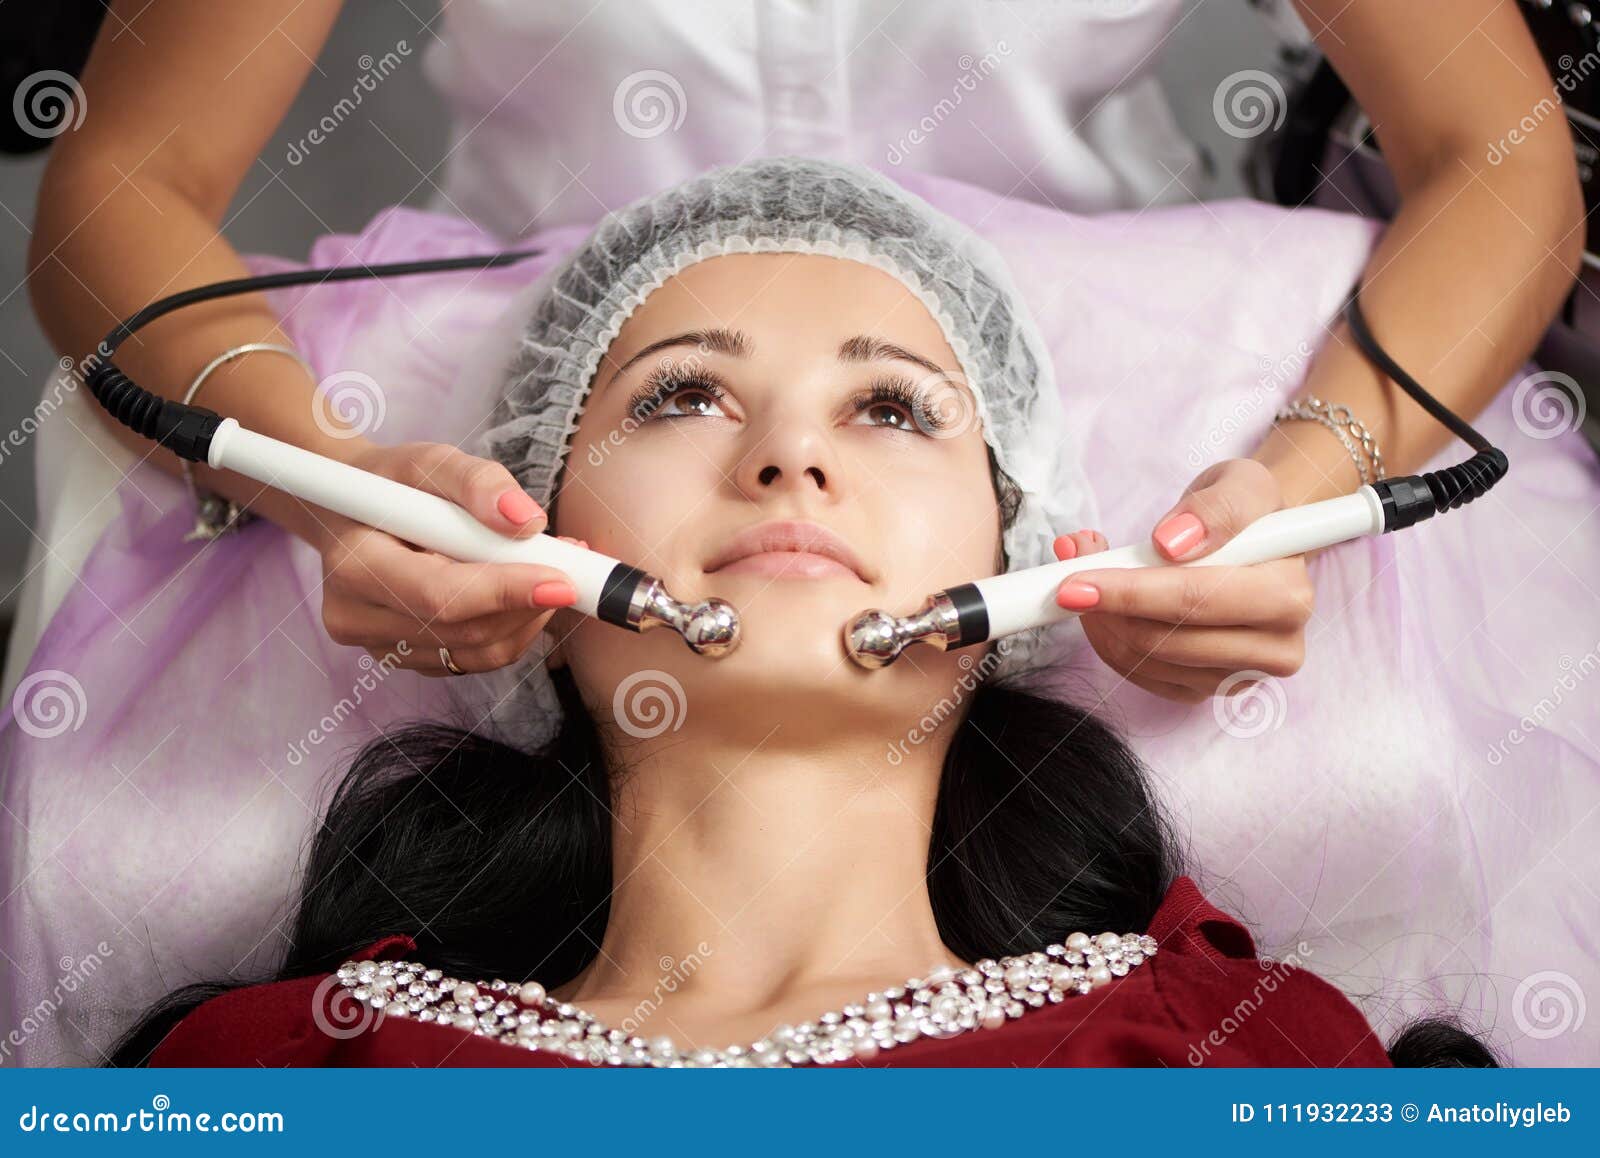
(444, 658)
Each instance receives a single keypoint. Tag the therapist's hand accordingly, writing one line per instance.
(378, 590)
(1180, 632)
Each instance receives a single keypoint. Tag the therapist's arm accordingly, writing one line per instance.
(1479, 256)
(1459, 289)
(180, 96)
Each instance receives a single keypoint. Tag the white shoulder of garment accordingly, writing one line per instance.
(562, 109)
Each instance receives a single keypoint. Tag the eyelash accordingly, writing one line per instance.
(664, 385)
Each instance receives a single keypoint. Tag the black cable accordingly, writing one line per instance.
(1411, 498)
(244, 285)
(187, 430)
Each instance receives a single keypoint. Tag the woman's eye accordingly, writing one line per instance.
(897, 416)
(691, 401)
(697, 399)
(895, 404)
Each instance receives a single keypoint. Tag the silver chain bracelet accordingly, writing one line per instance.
(1349, 429)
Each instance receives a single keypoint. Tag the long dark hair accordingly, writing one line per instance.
(432, 806)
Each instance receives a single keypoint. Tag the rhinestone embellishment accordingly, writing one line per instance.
(945, 1003)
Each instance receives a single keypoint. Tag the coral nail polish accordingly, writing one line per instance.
(555, 593)
(1180, 533)
(1066, 547)
(1076, 596)
(517, 506)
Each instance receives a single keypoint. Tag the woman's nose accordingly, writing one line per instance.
(794, 459)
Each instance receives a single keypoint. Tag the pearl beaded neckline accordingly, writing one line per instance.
(945, 1003)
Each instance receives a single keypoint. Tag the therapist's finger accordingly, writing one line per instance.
(1189, 685)
(1170, 684)
(440, 590)
(1221, 501)
(375, 627)
(1276, 594)
(497, 653)
(481, 485)
(1278, 653)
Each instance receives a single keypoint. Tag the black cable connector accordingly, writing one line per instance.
(187, 430)
(183, 429)
(1409, 499)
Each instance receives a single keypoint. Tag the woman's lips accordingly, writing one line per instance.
(788, 565)
(790, 549)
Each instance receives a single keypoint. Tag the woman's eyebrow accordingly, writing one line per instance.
(717, 341)
(865, 348)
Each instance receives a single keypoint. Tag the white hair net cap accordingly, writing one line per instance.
(788, 205)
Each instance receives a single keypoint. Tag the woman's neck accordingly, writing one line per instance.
(753, 884)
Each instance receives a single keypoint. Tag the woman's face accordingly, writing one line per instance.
(757, 391)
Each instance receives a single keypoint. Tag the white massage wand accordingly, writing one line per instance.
(1006, 604)
(608, 588)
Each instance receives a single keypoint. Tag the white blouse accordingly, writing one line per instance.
(562, 109)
